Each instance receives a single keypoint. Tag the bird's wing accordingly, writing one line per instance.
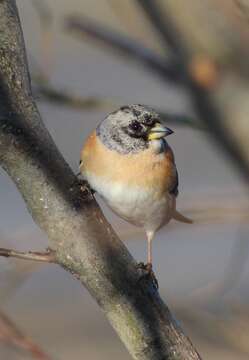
(174, 185)
(174, 190)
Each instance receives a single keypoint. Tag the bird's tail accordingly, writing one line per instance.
(179, 217)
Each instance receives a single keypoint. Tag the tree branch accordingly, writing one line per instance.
(45, 91)
(47, 256)
(165, 68)
(45, 17)
(11, 335)
(83, 241)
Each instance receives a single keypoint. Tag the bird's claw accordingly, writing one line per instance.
(85, 187)
(147, 273)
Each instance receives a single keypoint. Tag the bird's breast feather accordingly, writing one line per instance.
(145, 169)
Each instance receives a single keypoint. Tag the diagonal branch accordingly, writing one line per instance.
(83, 241)
(81, 26)
(165, 68)
(11, 335)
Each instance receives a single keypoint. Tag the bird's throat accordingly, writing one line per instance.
(159, 145)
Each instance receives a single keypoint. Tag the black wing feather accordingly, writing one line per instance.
(174, 189)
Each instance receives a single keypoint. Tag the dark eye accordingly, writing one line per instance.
(135, 126)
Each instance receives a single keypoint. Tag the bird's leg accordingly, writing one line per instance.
(150, 236)
(147, 268)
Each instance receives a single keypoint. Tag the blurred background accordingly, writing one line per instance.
(202, 269)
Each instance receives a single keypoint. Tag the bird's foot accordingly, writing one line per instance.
(85, 188)
(80, 192)
(147, 273)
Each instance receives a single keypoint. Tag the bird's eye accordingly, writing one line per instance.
(135, 126)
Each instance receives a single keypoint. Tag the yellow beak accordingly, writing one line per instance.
(158, 132)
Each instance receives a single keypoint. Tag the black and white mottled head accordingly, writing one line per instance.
(127, 129)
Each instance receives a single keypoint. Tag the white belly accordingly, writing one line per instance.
(140, 207)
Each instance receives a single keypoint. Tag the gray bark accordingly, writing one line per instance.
(83, 240)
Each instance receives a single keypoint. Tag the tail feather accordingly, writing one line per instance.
(179, 217)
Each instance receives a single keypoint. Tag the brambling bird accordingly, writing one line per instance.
(129, 163)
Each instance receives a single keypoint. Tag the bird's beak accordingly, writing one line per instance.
(159, 131)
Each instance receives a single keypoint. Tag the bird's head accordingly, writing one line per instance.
(132, 128)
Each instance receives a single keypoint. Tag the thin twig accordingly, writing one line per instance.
(46, 21)
(47, 256)
(11, 335)
(166, 68)
(44, 91)
(43, 11)
(180, 119)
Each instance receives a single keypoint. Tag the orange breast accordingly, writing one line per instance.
(144, 169)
